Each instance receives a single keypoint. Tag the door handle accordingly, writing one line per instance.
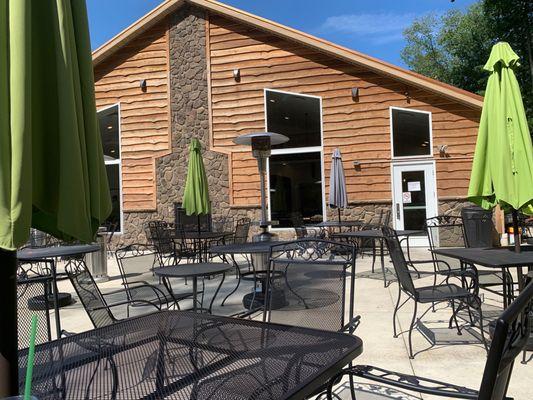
(398, 211)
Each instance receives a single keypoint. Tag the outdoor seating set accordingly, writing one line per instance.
(307, 284)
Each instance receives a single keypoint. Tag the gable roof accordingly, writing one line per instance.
(332, 49)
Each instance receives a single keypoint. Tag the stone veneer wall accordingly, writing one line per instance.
(189, 119)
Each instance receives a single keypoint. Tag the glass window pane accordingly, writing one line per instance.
(108, 120)
(295, 187)
(414, 210)
(297, 117)
(113, 176)
(411, 135)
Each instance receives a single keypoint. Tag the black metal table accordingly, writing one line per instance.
(377, 234)
(193, 271)
(252, 249)
(503, 258)
(49, 255)
(201, 240)
(184, 355)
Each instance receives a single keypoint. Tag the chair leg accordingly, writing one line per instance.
(395, 312)
(454, 318)
(373, 255)
(411, 327)
(478, 301)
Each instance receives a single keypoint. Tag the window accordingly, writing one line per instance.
(411, 133)
(295, 168)
(110, 132)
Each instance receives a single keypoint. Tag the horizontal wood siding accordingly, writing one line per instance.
(360, 128)
(145, 132)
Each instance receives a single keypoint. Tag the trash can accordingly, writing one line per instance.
(478, 227)
(98, 260)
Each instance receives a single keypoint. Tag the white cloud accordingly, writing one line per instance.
(379, 28)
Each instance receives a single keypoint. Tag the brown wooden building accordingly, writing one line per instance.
(199, 68)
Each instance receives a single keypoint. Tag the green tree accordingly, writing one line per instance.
(453, 47)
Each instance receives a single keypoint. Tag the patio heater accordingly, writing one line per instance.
(261, 143)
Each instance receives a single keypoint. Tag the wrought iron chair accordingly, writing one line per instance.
(449, 231)
(94, 301)
(444, 292)
(511, 334)
(170, 245)
(309, 283)
(33, 298)
(136, 263)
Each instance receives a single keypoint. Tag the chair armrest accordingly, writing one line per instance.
(407, 382)
(352, 325)
(125, 302)
(244, 314)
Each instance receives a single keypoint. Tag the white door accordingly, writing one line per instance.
(414, 197)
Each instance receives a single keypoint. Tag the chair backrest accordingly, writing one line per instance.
(301, 232)
(384, 218)
(160, 236)
(445, 231)
(241, 230)
(89, 293)
(398, 260)
(478, 227)
(135, 261)
(189, 223)
(33, 290)
(310, 281)
(511, 334)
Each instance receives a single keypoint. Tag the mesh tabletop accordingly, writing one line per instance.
(375, 233)
(196, 269)
(181, 355)
(40, 253)
(494, 257)
(245, 248)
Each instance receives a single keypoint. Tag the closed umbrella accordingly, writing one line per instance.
(337, 184)
(52, 173)
(502, 171)
(196, 194)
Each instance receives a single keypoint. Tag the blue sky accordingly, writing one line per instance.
(373, 27)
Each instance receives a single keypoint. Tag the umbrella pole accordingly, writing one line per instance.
(515, 231)
(9, 339)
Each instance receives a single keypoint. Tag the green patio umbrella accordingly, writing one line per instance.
(52, 173)
(196, 195)
(502, 171)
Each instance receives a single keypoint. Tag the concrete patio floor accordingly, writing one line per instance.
(455, 359)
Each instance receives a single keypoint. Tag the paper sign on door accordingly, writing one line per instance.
(413, 186)
(406, 197)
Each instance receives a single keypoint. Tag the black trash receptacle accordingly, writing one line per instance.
(478, 227)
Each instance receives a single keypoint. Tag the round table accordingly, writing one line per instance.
(193, 271)
(48, 255)
(201, 239)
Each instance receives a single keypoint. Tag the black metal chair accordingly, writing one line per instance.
(136, 263)
(309, 283)
(33, 298)
(94, 301)
(444, 292)
(511, 334)
(170, 243)
(191, 223)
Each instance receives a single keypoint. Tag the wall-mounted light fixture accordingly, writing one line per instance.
(355, 93)
(357, 165)
(142, 85)
(407, 95)
(237, 74)
(443, 150)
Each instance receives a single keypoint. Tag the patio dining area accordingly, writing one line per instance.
(314, 297)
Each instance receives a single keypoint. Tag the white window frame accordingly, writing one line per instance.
(296, 150)
(430, 155)
(117, 162)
